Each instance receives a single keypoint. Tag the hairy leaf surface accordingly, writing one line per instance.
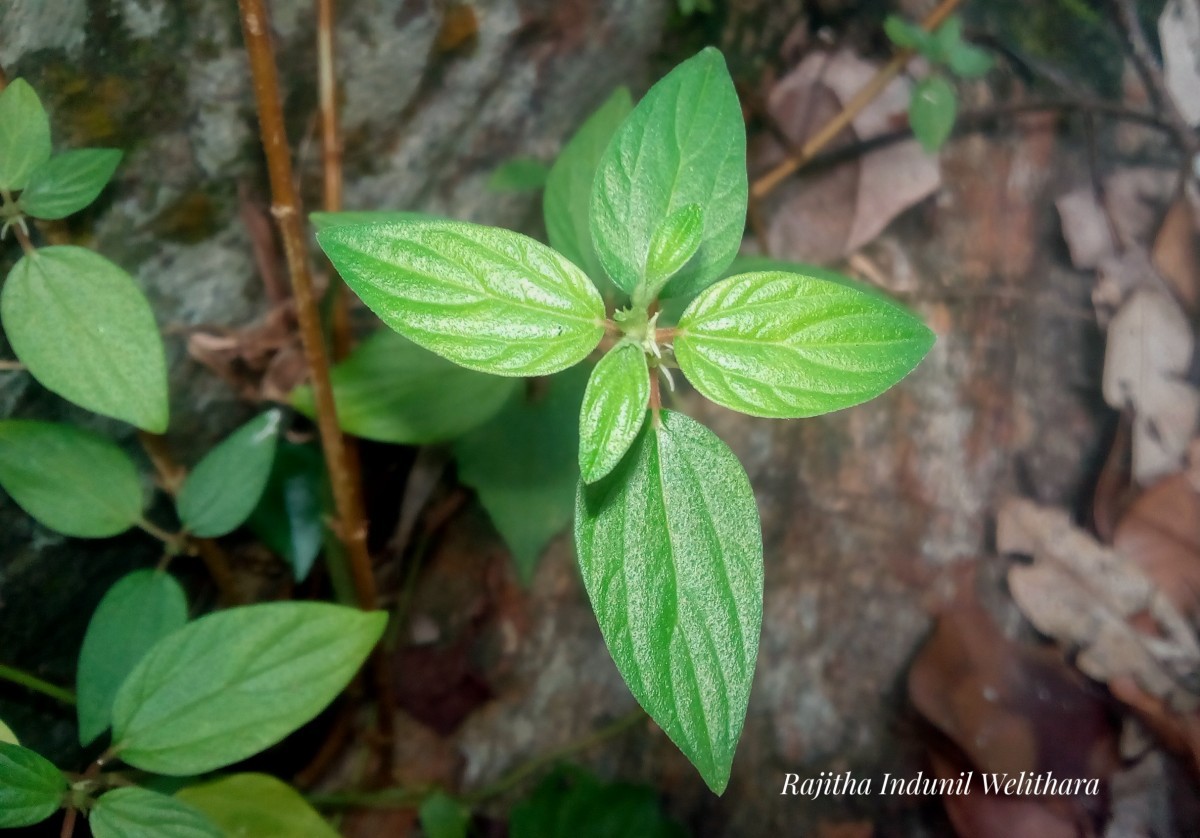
(68, 182)
(235, 682)
(785, 345)
(70, 480)
(685, 143)
(86, 332)
(671, 553)
(614, 408)
(488, 299)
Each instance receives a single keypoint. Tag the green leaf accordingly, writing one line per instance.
(68, 182)
(392, 390)
(567, 203)
(24, 134)
(614, 409)
(70, 480)
(685, 143)
(675, 242)
(142, 608)
(443, 817)
(86, 332)
(289, 515)
(931, 112)
(969, 62)
(325, 220)
(785, 345)
(133, 812)
(521, 174)
(948, 37)
(671, 553)
(761, 264)
(232, 683)
(524, 465)
(573, 804)
(7, 735)
(485, 298)
(223, 489)
(908, 35)
(31, 788)
(256, 806)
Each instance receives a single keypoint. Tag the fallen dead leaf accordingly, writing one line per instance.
(1160, 532)
(1176, 255)
(1179, 34)
(1085, 595)
(827, 215)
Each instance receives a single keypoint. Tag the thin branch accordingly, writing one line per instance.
(32, 682)
(68, 825)
(766, 183)
(11, 366)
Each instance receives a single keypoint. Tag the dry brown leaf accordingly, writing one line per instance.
(1114, 485)
(1175, 254)
(1179, 34)
(1146, 362)
(826, 216)
(261, 362)
(1161, 533)
(1084, 596)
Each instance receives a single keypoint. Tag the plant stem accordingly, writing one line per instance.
(32, 682)
(763, 185)
(68, 826)
(11, 366)
(174, 541)
(351, 524)
(655, 397)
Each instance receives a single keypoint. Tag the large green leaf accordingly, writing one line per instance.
(567, 203)
(256, 806)
(24, 134)
(68, 182)
(785, 345)
(85, 331)
(223, 489)
(140, 813)
(70, 480)
(932, 111)
(671, 554)
(235, 682)
(325, 220)
(614, 408)
(31, 788)
(573, 804)
(524, 465)
(391, 390)
(290, 514)
(138, 611)
(488, 299)
(685, 143)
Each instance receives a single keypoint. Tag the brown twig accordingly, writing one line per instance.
(655, 397)
(68, 826)
(764, 184)
(11, 366)
(351, 525)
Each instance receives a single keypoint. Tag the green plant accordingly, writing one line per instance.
(652, 200)
(933, 107)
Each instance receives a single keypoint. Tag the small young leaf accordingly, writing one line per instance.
(31, 788)
(256, 806)
(142, 608)
(908, 35)
(567, 203)
(68, 182)
(671, 553)
(69, 480)
(524, 465)
(675, 242)
(786, 346)
(86, 332)
(7, 735)
(391, 390)
(325, 220)
(290, 514)
(614, 408)
(932, 111)
(134, 812)
(521, 174)
(969, 62)
(234, 682)
(444, 817)
(24, 135)
(485, 298)
(223, 489)
(685, 143)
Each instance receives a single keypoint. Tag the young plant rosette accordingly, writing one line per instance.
(666, 526)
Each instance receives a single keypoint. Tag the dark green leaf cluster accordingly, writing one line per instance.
(646, 204)
(934, 105)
